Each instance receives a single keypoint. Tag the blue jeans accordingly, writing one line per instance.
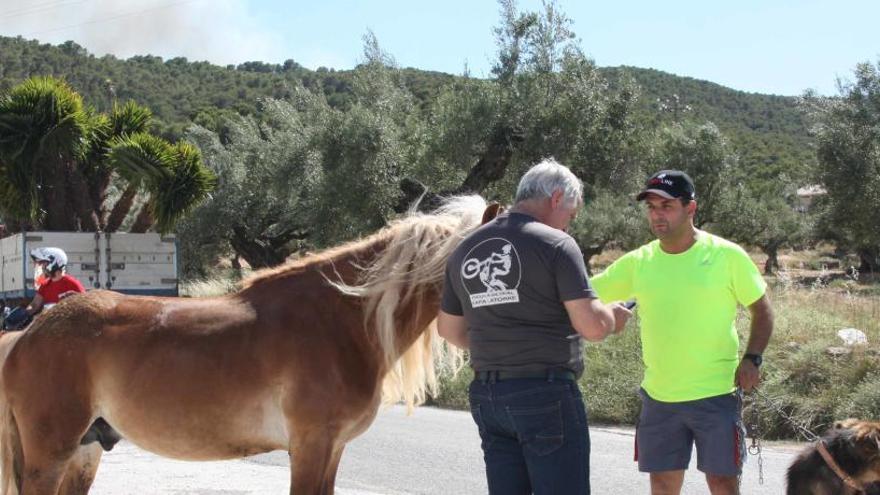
(534, 436)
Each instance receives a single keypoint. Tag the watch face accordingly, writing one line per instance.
(755, 358)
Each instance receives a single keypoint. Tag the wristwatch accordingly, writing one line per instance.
(756, 359)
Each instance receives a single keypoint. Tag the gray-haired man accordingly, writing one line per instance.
(517, 296)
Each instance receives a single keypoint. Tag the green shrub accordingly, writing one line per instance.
(611, 380)
(454, 389)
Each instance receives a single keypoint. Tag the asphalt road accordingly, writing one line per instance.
(433, 451)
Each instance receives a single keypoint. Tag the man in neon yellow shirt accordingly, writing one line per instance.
(688, 284)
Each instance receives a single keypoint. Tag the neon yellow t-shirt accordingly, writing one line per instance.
(687, 305)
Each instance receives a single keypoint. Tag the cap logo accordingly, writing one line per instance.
(660, 180)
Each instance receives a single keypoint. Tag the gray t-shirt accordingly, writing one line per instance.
(509, 279)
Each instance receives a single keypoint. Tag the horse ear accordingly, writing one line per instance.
(492, 211)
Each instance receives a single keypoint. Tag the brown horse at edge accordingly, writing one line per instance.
(299, 359)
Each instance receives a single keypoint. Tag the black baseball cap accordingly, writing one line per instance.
(670, 184)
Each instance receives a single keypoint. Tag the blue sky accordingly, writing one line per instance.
(771, 46)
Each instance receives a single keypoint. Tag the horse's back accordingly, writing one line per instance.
(89, 314)
(183, 378)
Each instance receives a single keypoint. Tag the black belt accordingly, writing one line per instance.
(549, 375)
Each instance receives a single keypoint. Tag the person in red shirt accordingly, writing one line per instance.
(57, 284)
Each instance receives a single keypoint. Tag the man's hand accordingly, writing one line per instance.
(35, 305)
(747, 375)
(621, 316)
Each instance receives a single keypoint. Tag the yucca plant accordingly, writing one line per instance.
(58, 159)
(44, 132)
(172, 175)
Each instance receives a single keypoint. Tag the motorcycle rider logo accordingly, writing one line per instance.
(495, 264)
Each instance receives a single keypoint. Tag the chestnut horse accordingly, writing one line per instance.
(295, 360)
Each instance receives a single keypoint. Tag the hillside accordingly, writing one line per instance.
(767, 131)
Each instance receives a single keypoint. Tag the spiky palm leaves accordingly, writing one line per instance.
(57, 159)
(173, 175)
(43, 132)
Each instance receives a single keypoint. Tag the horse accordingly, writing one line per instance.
(300, 358)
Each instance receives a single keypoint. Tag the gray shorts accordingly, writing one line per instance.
(667, 432)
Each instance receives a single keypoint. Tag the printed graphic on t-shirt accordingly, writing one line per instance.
(491, 273)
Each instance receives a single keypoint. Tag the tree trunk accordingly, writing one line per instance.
(121, 209)
(493, 164)
(144, 219)
(870, 260)
(60, 216)
(257, 252)
(706, 211)
(490, 168)
(589, 252)
(98, 185)
(771, 266)
(413, 190)
(236, 266)
(81, 201)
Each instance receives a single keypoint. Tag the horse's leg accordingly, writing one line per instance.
(11, 457)
(42, 471)
(49, 442)
(312, 465)
(330, 477)
(81, 470)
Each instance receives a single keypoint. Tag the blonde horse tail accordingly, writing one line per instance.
(10, 452)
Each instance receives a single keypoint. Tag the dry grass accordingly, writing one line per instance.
(810, 371)
(806, 314)
(208, 288)
(605, 258)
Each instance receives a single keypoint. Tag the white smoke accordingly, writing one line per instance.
(219, 31)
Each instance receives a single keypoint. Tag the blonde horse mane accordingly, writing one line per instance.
(414, 259)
